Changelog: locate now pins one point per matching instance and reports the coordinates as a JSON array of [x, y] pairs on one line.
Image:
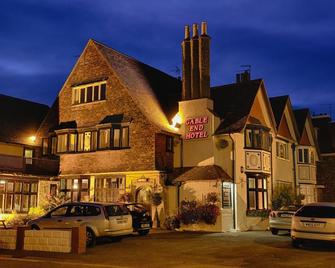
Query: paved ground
[[184, 249]]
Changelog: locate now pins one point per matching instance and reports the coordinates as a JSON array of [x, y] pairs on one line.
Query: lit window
[[104, 138], [116, 137], [89, 93], [72, 142], [258, 139], [306, 156], [62, 143], [80, 142], [257, 193], [125, 137], [45, 146], [87, 141]]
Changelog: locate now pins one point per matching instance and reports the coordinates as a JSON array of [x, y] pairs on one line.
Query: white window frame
[[77, 89]]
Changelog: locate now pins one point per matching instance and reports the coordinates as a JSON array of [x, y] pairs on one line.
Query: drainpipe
[[233, 177], [294, 170]]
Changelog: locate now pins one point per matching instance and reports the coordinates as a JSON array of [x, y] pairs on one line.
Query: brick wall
[[140, 156], [48, 240], [164, 159], [8, 239]]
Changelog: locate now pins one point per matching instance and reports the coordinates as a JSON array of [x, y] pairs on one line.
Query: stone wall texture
[[141, 154]]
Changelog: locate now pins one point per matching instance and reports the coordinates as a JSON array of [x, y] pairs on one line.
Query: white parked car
[[100, 219], [281, 219], [315, 221]]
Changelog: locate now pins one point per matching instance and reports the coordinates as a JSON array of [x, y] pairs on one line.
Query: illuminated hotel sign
[[195, 128]]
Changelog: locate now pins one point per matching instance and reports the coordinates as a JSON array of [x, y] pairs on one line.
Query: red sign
[[195, 128]]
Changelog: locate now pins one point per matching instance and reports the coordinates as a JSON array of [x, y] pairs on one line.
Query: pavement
[[188, 249]]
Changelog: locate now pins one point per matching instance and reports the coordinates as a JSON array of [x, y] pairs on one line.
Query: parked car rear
[[315, 221], [281, 219], [100, 219], [142, 221]]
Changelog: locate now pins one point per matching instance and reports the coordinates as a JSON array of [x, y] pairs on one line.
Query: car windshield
[[316, 212], [136, 207]]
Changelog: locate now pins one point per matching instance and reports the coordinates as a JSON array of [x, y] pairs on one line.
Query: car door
[[55, 219], [119, 218]]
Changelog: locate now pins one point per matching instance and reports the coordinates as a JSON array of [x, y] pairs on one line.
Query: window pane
[[125, 137], [53, 145], [2, 186], [252, 183], [76, 96], [102, 91], [84, 184], [116, 138], [18, 187], [82, 95], [89, 94], [301, 159], [80, 142], [306, 156], [94, 141], [265, 200], [28, 155], [104, 138], [33, 188], [45, 146], [72, 142], [248, 138], [260, 200], [9, 203], [96, 93], [17, 202], [62, 143], [2, 200], [252, 200], [10, 187], [260, 183], [87, 141]]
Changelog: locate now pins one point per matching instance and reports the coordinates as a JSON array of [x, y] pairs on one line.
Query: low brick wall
[[48, 240], [23, 239], [8, 239]]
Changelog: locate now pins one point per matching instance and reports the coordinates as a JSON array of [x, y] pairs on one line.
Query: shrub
[[212, 198], [283, 196], [172, 223], [53, 201], [209, 213], [189, 213]]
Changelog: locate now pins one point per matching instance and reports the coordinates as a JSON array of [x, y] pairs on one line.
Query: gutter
[[233, 177]]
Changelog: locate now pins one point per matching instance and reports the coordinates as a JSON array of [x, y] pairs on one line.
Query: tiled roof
[[278, 106], [233, 103], [19, 119], [156, 93], [300, 117], [211, 172]]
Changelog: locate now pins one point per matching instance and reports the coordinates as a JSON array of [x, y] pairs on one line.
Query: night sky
[[289, 43]]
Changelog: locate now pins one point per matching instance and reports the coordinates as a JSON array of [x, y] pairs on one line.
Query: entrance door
[[143, 196]]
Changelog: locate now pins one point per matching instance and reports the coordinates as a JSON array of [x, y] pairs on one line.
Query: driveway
[[186, 249]]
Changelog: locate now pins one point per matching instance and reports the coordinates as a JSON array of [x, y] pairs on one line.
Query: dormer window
[[89, 93]]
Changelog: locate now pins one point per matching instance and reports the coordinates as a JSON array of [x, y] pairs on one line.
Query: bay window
[[258, 138], [306, 156], [257, 193]]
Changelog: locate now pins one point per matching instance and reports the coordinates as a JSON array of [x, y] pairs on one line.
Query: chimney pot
[[187, 32], [203, 28], [195, 30]]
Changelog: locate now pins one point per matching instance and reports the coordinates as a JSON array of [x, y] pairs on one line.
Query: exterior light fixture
[[32, 138], [176, 121]]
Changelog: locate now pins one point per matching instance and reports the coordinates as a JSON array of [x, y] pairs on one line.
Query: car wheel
[[296, 243], [90, 238], [274, 231], [143, 232], [35, 227]]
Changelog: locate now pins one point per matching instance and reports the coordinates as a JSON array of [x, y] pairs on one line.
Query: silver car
[[281, 219], [315, 221], [100, 219]]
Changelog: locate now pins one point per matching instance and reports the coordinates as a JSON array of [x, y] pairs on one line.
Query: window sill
[[98, 150], [78, 105], [258, 149], [263, 213]]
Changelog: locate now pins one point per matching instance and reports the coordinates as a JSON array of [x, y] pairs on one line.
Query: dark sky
[[289, 43]]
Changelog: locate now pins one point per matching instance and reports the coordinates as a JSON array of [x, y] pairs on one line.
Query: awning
[[198, 173]]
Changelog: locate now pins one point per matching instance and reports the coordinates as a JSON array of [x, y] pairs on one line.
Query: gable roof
[[19, 119], [301, 117], [278, 107], [233, 104], [156, 92]]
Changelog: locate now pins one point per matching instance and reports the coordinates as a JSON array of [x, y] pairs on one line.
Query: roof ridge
[[24, 100], [132, 58], [252, 80]]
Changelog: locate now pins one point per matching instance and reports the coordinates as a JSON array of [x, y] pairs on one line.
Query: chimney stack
[[196, 64], [204, 64], [195, 76], [186, 68]]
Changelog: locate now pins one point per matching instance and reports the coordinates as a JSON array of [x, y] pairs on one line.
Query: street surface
[[185, 249]]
